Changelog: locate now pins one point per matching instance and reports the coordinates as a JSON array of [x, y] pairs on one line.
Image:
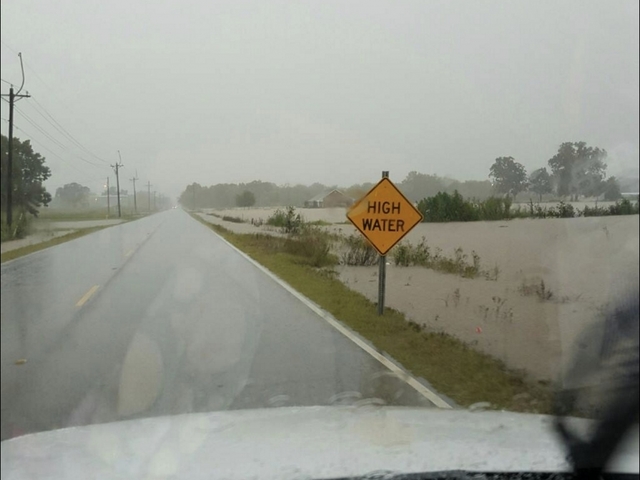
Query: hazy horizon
[[331, 92]]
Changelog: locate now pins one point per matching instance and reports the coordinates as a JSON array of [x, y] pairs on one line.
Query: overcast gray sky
[[330, 92]]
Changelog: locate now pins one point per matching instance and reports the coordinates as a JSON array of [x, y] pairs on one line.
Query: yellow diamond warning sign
[[384, 216]]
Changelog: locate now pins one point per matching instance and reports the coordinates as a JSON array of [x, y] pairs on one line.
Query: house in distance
[[330, 199]]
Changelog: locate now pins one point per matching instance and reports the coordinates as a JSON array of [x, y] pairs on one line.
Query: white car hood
[[306, 442]]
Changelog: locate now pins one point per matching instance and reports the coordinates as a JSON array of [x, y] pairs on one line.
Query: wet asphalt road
[[160, 317]]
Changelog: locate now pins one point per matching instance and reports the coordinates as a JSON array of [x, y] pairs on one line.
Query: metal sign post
[[382, 272], [384, 216]]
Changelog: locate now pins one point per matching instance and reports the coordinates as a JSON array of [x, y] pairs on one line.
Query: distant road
[[159, 317]]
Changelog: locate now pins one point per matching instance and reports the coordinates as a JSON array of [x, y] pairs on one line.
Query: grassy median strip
[[20, 252], [452, 367]]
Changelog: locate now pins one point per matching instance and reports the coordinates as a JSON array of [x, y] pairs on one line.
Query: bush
[[19, 228], [312, 245], [405, 255], [624, 207], [402, 255], [444, 207], [494, 209], [563, 210], [287, 220], [458, 264], [538, 212], [358, 252]]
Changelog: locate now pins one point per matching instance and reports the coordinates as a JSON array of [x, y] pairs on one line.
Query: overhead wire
[[59, 126], [65, 131], [53, 122], [57, 142], [5, 44], [86, 176], [39, 128], [31, 137], [29, 67]]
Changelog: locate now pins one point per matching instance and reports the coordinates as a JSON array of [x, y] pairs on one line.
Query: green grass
[[452, 367], [20, 252]]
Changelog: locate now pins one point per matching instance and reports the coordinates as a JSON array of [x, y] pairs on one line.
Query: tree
[[540, 182], [477, 189], [29, 173], [192, 196], [357, 190], [579, 169], [73, 194], [509, 177], [611, 189], [417, 186], [245, 199]]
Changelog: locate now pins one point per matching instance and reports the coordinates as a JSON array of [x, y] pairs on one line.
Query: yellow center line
[[128, 253], [87, 296]]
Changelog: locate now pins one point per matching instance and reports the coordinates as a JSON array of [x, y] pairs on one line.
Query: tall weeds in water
[[421, 255], [357, 251], [539, 290]]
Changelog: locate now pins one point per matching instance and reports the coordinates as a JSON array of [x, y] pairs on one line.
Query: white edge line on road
[[426, 392]]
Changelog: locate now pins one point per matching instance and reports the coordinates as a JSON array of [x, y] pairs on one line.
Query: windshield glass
[[223, 206]]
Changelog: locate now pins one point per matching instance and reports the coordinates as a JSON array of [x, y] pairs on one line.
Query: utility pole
[[135, 202], [155, 207], [116, 167], [108, 199], [9, 173], [149, 195]]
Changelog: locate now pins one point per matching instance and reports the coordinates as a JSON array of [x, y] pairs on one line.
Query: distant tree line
[[266, 194], [577, 170]]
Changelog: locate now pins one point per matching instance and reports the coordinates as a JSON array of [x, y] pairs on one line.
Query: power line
[[58, 128], [71, 137], [8, 83], [64, 131], [57, 142], [29, 67], [87, 176], [39, 128], [5, 44]]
